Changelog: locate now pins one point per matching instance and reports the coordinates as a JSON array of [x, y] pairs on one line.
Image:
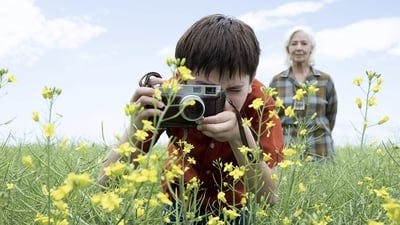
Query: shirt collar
[[313, 71]]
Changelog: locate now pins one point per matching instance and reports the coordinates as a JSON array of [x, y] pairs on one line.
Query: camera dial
[[192, 112]]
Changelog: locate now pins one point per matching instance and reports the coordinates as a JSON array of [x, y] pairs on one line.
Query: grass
[[340, 191]]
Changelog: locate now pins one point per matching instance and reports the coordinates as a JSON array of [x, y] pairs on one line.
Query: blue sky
[[96, 50]]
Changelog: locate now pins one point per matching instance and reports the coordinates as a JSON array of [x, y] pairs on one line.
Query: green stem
[[48, 144], [365, 117]]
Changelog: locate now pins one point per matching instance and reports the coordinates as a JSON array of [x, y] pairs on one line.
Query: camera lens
[[192, 111]]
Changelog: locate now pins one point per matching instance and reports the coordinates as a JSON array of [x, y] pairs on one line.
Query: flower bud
[[383, 120]]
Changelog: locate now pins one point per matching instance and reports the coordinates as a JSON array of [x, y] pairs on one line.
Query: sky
[[96, 51]]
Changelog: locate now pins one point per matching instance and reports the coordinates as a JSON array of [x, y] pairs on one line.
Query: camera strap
[[145, 80], [243, 138]]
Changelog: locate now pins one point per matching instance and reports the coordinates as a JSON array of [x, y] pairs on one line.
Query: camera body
[[206, 100]]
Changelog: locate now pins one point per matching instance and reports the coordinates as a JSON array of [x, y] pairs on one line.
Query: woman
[[315, 111]]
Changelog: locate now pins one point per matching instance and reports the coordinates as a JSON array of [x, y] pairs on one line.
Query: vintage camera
[[208, 100]]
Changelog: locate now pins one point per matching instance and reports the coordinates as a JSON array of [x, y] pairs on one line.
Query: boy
[[224, 51]]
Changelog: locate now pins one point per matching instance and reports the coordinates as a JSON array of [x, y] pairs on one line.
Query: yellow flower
[[61, 192], [244, 149], [64, 143], [373, 222], [231, 213], [81, 147], [228, 167], [48, 93], [214, 221], [358, 81], [35, 116], [149, 175], [62, 207], [261, 213], [148, 126], [11, 78], [303, 132], [256, 104], [383, 120], [273, 113], [266, 156], [383, 193], [269, 92], [289, 111], [187, 148], [62, 222], [237, 173], [171, 86], [221, 196], [185, 73], [247, 122], [372, 101], [125, 149], [302, 188], [289, 152], [131, 109], [193, 183], [359, 102], [376, 88], [379, 152], [191, 160], [10, 186], [141, 135], [109, 201], [278, 102], [48, 130], [115, 169], [139, 212], [285, 164], [27, 161], [286, 221], [164, 198], [392, 211], [166, 219], [78, 180], [312, 89], [299, 94], [157, 94], [298, 212], [42, 219]]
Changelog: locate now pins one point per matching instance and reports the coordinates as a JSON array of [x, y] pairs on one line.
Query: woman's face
[[300, 48], [235, 88]]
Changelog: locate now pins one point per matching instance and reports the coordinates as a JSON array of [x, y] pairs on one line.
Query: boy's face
[[236, 88]]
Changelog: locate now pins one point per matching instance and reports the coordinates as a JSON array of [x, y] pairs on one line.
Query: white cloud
[[26, 32], [267, 19], [373, 35], [270, 65], [167, 51]]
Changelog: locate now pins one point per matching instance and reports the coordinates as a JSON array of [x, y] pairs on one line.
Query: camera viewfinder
[[210, 91]]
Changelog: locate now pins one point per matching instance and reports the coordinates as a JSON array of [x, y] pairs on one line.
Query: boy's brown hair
[[219, 42]]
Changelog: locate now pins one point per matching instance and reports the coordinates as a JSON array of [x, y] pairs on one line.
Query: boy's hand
[[144, 96], [222, 127]]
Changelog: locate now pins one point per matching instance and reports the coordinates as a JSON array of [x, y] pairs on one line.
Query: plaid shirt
[[323, 103]]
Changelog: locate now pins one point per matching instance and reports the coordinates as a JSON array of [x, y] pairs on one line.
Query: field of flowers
[[54, 181]]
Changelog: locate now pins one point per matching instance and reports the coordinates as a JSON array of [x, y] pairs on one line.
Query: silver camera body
[[208, 100]]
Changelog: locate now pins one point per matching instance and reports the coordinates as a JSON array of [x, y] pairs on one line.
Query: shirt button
[[212, 145]]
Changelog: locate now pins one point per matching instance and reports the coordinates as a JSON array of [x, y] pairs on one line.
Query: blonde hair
[[289, 37]]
